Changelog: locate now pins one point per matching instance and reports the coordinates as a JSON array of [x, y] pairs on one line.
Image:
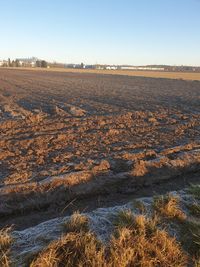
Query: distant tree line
[[41, 64], [18, 63], [13, 63]]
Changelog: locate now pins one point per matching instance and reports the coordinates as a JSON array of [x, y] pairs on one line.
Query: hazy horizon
[[102, 32]]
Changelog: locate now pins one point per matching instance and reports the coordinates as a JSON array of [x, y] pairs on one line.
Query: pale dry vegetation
[[143, 244], [190, 230], [139, 206], [168, 206], [77, 223], [136, 242], [190, 237], [5, 244]]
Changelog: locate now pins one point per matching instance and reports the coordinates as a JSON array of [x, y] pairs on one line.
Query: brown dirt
[[83, 136], [151, 74]]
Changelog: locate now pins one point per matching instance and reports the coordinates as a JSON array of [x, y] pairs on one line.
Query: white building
[[27, 62], [141, 68], [111, 67]]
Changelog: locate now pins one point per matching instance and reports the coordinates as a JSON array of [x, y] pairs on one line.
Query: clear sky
[[134, 32]]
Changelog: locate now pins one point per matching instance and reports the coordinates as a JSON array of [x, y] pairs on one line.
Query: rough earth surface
[[73, 141], [80, 141], [93, 143]]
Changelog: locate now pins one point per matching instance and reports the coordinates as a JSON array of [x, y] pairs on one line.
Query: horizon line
[[108, 64]]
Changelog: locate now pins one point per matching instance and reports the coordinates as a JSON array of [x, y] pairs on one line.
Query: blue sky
[[134, 32]]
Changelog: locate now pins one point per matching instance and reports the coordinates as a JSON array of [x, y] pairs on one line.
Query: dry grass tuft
[[139, 205], [140, 243], [190, 235], [136, 242], [77, 223], [197, 263], [140, 168], [137, 249], [74, 249], [140, 224], [124, 218], [168, 207], [5, 243]]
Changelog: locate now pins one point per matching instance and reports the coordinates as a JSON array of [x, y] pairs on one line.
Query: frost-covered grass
[[5, 243], [160, 231], [136, 241]]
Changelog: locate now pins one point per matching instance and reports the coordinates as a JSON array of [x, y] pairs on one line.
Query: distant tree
[[9, 62], [43, 64], [38, 63], [82, 65], [17, 63], [13, 64]]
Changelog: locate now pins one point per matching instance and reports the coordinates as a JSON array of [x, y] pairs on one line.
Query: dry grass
[[139, 169], [194, 207], [191, 228], [197, 263], [168, 207], [139, 205], [124, 218], [73, 249], [138, 248], [76, 223], [136, 242], [5, 242], [190, 236]]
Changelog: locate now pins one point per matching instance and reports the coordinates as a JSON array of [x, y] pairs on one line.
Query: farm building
[[141, 68]]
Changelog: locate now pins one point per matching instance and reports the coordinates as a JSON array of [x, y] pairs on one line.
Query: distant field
[[152, 74]]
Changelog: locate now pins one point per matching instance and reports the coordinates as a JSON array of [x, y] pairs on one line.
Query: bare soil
[[79, 141], [141, 73]]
